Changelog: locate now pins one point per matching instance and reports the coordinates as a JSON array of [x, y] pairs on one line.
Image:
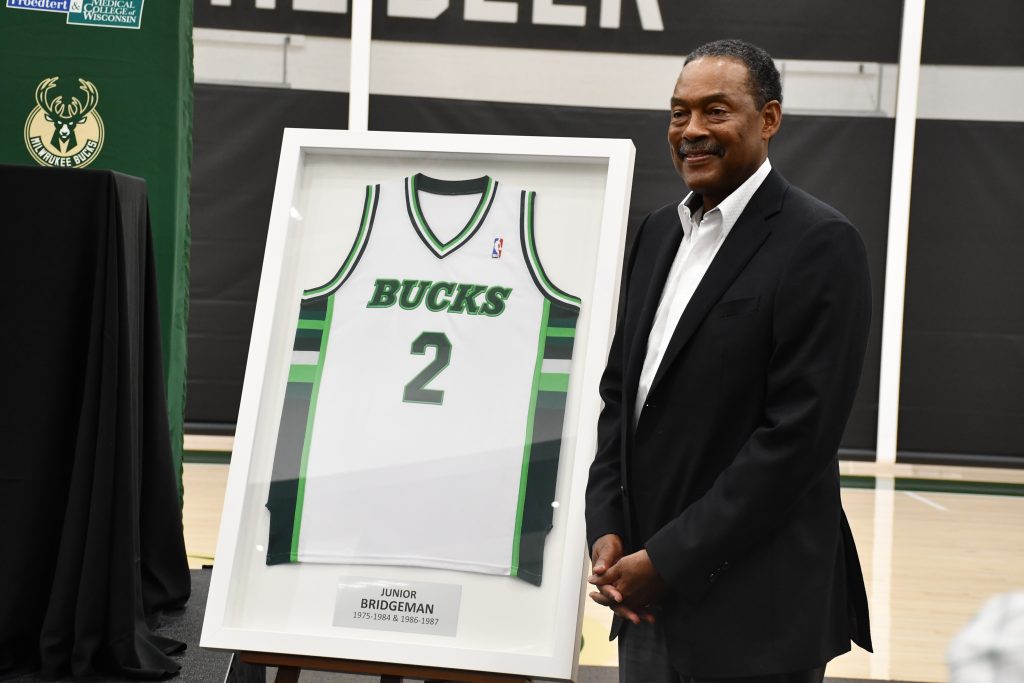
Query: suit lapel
[[666, 243], [745, 238]]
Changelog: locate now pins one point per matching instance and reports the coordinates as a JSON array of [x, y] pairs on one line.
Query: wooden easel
[[289, 666]]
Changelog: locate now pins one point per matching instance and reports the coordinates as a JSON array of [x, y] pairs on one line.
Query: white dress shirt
[[703, 235]]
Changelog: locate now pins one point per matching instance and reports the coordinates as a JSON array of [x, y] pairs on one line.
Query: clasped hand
[[629, 584]]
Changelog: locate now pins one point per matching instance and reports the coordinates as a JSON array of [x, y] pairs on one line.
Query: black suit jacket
[[730, 478]]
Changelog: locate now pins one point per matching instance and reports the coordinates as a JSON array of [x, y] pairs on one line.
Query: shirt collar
[[731, 207]]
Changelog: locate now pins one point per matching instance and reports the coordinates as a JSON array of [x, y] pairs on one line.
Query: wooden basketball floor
[[935, 543]]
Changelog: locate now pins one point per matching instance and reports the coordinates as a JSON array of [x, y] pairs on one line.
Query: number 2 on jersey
[[416, 390]]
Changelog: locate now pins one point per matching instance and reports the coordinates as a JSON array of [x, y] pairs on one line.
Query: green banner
[[108, 84]]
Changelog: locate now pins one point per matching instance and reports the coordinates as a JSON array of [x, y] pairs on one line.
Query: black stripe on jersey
[[556, 347], [540, 484], [308, 340], [451, 187], [313, 309], [362, 249], [562, 315], [284, 480]]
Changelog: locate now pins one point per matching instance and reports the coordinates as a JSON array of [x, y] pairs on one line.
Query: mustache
[[699, 147]]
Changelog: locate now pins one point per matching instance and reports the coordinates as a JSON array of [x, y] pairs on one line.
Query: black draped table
[[91, 545]]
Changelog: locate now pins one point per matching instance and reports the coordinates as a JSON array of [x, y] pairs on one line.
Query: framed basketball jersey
[[422, 421]]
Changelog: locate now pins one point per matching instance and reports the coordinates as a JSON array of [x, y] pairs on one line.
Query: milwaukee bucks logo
[[61, 132]]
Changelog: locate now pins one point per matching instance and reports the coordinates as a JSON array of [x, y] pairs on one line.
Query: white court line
[[926, 501], [881, 578]]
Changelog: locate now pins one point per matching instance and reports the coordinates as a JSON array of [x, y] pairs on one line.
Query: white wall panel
[[331, 6], [271, 59], [562, 78], [971, 93]]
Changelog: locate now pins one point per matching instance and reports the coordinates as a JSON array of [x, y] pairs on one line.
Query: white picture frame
[[504, 626]]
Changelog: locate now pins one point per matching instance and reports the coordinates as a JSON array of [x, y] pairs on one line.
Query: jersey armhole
[[355, 253], [527, 237]]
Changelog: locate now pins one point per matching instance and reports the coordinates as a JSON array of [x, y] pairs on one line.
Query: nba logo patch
[[496, 249]]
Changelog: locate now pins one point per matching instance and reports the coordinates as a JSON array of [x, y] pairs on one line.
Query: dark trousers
[[643, 658]]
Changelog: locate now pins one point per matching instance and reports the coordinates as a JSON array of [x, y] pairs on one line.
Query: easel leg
[[287, 674]]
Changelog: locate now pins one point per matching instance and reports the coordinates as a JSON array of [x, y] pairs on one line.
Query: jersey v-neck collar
[[485, 186]]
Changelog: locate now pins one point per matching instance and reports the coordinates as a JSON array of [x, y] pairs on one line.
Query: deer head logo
[[66, 129], [65, 117]]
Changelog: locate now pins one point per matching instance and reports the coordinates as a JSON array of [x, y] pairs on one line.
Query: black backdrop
[[236, 144], [962, 387], [982, 34]]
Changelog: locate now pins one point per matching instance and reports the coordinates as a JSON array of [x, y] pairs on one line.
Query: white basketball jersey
[[423, 415]]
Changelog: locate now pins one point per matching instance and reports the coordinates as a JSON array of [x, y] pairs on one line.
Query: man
[[713, 510]]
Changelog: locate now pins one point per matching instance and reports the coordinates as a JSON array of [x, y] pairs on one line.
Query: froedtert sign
[[102, 13]]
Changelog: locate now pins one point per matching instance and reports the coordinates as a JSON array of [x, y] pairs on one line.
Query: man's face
[[717, 135]]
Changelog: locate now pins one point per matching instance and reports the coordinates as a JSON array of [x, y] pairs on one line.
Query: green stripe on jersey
[[528, 445], [554, 382], [310, 420], [284, 478], [542, 451], [303, 373]]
